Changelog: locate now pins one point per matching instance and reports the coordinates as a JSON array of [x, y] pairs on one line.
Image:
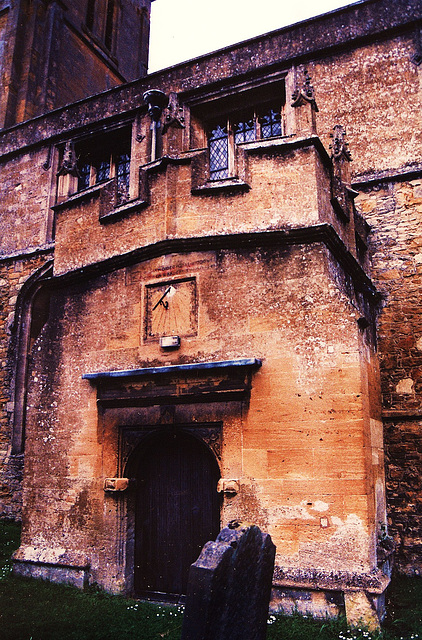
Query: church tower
[[55, 52]]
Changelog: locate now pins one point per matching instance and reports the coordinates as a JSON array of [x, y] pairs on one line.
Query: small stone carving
[[138, 124], [304, 93], [174, 113], [211, 437], [69, 163], [339, 146], [113, 485], [230, 586], [228, 487], [341, 193], [47, 164]]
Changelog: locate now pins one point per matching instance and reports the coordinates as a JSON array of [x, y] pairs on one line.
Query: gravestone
[[229, 586]]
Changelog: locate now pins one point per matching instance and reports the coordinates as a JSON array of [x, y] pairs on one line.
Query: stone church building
[[210, 290]]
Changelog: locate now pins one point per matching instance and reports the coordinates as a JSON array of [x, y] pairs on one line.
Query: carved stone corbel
[[173, 114], [339, 146], [304, 93], [139, 134], [114, 485], [47, 164], [228, 486]]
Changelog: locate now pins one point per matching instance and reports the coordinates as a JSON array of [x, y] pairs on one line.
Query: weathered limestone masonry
[[15, 273], [54, 52], [394, 210], [194, 339], [51, 53], [381, 86]]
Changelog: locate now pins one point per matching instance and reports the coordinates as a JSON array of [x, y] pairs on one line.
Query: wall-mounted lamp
[[156, 101]]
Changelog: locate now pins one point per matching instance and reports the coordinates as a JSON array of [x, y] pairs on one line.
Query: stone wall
[[55, 54], [364, 67], [25, 191], [394, 211], [14, 274], [404, 489], [305, 449]]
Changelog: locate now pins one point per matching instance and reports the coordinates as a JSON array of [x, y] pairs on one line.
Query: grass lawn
[[37, 610]]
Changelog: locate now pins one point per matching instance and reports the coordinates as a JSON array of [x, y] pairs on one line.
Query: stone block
[[361, 610]]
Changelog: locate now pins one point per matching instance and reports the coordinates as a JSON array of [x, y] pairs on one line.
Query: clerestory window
[[247, 126]]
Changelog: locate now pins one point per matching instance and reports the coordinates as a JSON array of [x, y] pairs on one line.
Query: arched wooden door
[[177, 510]]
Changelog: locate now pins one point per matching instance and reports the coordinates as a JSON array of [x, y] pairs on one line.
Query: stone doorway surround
[[201, 400]]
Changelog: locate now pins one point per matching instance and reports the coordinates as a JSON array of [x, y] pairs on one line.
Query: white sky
[[185, 29]]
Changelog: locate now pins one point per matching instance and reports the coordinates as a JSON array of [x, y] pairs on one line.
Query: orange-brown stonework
[[54, 53], [216, 316], [15, 273], [394, 211]]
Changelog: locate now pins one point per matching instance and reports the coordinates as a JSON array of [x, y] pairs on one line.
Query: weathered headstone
[[229, 586]]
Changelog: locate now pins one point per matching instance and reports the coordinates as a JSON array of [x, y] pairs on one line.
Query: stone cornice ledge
[[402, 414], [228, 185], [319, 233], [368, 180], [28, 253], [81, 196], [286, 144]]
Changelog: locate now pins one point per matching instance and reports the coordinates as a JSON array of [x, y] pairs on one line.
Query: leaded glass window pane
[[104, 156], [103, 170], [122, 173], [84, 174], [271, 124], [244, 131], [219, 153]]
